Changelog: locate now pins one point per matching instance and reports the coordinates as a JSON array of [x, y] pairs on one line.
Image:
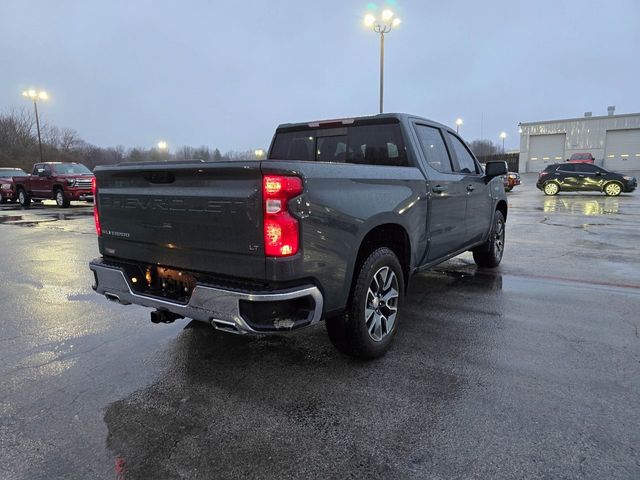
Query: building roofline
[[599, 117]]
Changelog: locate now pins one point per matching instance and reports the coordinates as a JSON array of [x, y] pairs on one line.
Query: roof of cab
[[402, 117]]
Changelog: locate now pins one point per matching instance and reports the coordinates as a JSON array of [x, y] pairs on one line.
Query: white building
[[613, 140]]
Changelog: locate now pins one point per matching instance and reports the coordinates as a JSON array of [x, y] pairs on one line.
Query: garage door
[[622, 150], [545, 150]]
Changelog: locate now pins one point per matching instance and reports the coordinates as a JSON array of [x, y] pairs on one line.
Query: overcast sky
[[224, 74]]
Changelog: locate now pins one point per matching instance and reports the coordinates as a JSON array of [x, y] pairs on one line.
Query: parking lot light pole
[[34, 95], [459, 123], [503, 135], [382, 27]]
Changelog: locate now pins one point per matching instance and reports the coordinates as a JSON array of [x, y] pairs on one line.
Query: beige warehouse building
[[613, 140]]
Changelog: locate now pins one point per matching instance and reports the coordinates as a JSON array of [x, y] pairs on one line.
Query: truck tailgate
[[194, 216]]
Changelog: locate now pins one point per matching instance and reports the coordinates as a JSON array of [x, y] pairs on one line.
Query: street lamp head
[[459, 122], [34, 95], [162, 145], [503, 135], [369, 20], [387, 15], [396, 22]]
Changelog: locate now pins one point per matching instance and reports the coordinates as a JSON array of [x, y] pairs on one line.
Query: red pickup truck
[[62, 182], [7, 191]]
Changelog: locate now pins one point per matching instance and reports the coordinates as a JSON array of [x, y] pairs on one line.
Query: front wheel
[[23, 199], [551, 188], [61, 201], [489, 254], [370, 323], [612, 189]]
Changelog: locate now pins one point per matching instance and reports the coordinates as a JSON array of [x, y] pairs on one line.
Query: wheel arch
[[391, 235], [502, 207]]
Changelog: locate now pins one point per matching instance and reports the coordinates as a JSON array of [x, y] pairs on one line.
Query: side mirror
[[495, 169]]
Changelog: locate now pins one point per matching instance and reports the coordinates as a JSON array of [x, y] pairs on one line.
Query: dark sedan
[[574, 177]]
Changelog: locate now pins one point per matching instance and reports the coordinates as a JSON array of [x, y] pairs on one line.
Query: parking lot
[[530, 370]]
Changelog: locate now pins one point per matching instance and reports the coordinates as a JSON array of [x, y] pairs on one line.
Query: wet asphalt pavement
[[528, 371]]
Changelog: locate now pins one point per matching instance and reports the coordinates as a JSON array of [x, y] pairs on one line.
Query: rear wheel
[[23, 199], [551, 188], [613, 189], [3, 200], [370, 323], [489, 254], [61, 201]]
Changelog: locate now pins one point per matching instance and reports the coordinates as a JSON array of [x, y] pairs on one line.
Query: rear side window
[[465, 160], [587, 167], [363, 144], [434, 148]]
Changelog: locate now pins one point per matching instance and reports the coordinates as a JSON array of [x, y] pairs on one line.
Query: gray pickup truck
[[332, 225]]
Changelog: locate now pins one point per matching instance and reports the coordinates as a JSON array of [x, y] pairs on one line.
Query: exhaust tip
[[112, 297]]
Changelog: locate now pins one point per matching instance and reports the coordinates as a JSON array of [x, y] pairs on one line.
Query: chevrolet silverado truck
[[331, 225], [7, 190], [62, 182]]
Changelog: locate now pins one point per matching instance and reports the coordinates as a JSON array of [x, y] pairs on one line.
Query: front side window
[[465, 160], [434, 148], [364, 144]]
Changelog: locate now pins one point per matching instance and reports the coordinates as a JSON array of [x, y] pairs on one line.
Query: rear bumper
[[225, 309]]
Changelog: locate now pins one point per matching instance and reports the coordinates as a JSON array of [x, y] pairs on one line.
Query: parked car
[[581, 158], [573, 177], [62, 182], [331, 225], [7, 190], [511, 179]]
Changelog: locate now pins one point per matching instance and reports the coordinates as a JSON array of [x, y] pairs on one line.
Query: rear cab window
[[369, 144], [434, 148]]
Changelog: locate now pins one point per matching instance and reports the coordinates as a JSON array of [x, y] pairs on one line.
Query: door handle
[[439, 188], [470, 188]]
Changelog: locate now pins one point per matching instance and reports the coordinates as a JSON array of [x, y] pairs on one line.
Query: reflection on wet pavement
[[582, 206]]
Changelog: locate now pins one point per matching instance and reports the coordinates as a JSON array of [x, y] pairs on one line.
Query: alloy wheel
[[613, 189], [381, 303], [551, 189], [59, 198], [498, 243]]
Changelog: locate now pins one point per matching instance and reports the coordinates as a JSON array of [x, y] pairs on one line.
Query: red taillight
[[281, 230], [96, 216]]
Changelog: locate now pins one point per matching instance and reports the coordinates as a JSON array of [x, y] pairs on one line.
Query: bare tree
[[482, 148]]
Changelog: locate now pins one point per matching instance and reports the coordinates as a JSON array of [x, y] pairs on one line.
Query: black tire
[[489, 254], [23, 198], [350, 333], [61, 201], [612, 189], [3, 200]]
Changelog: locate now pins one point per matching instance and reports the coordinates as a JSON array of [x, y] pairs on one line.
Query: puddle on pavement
[[34, 219]]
